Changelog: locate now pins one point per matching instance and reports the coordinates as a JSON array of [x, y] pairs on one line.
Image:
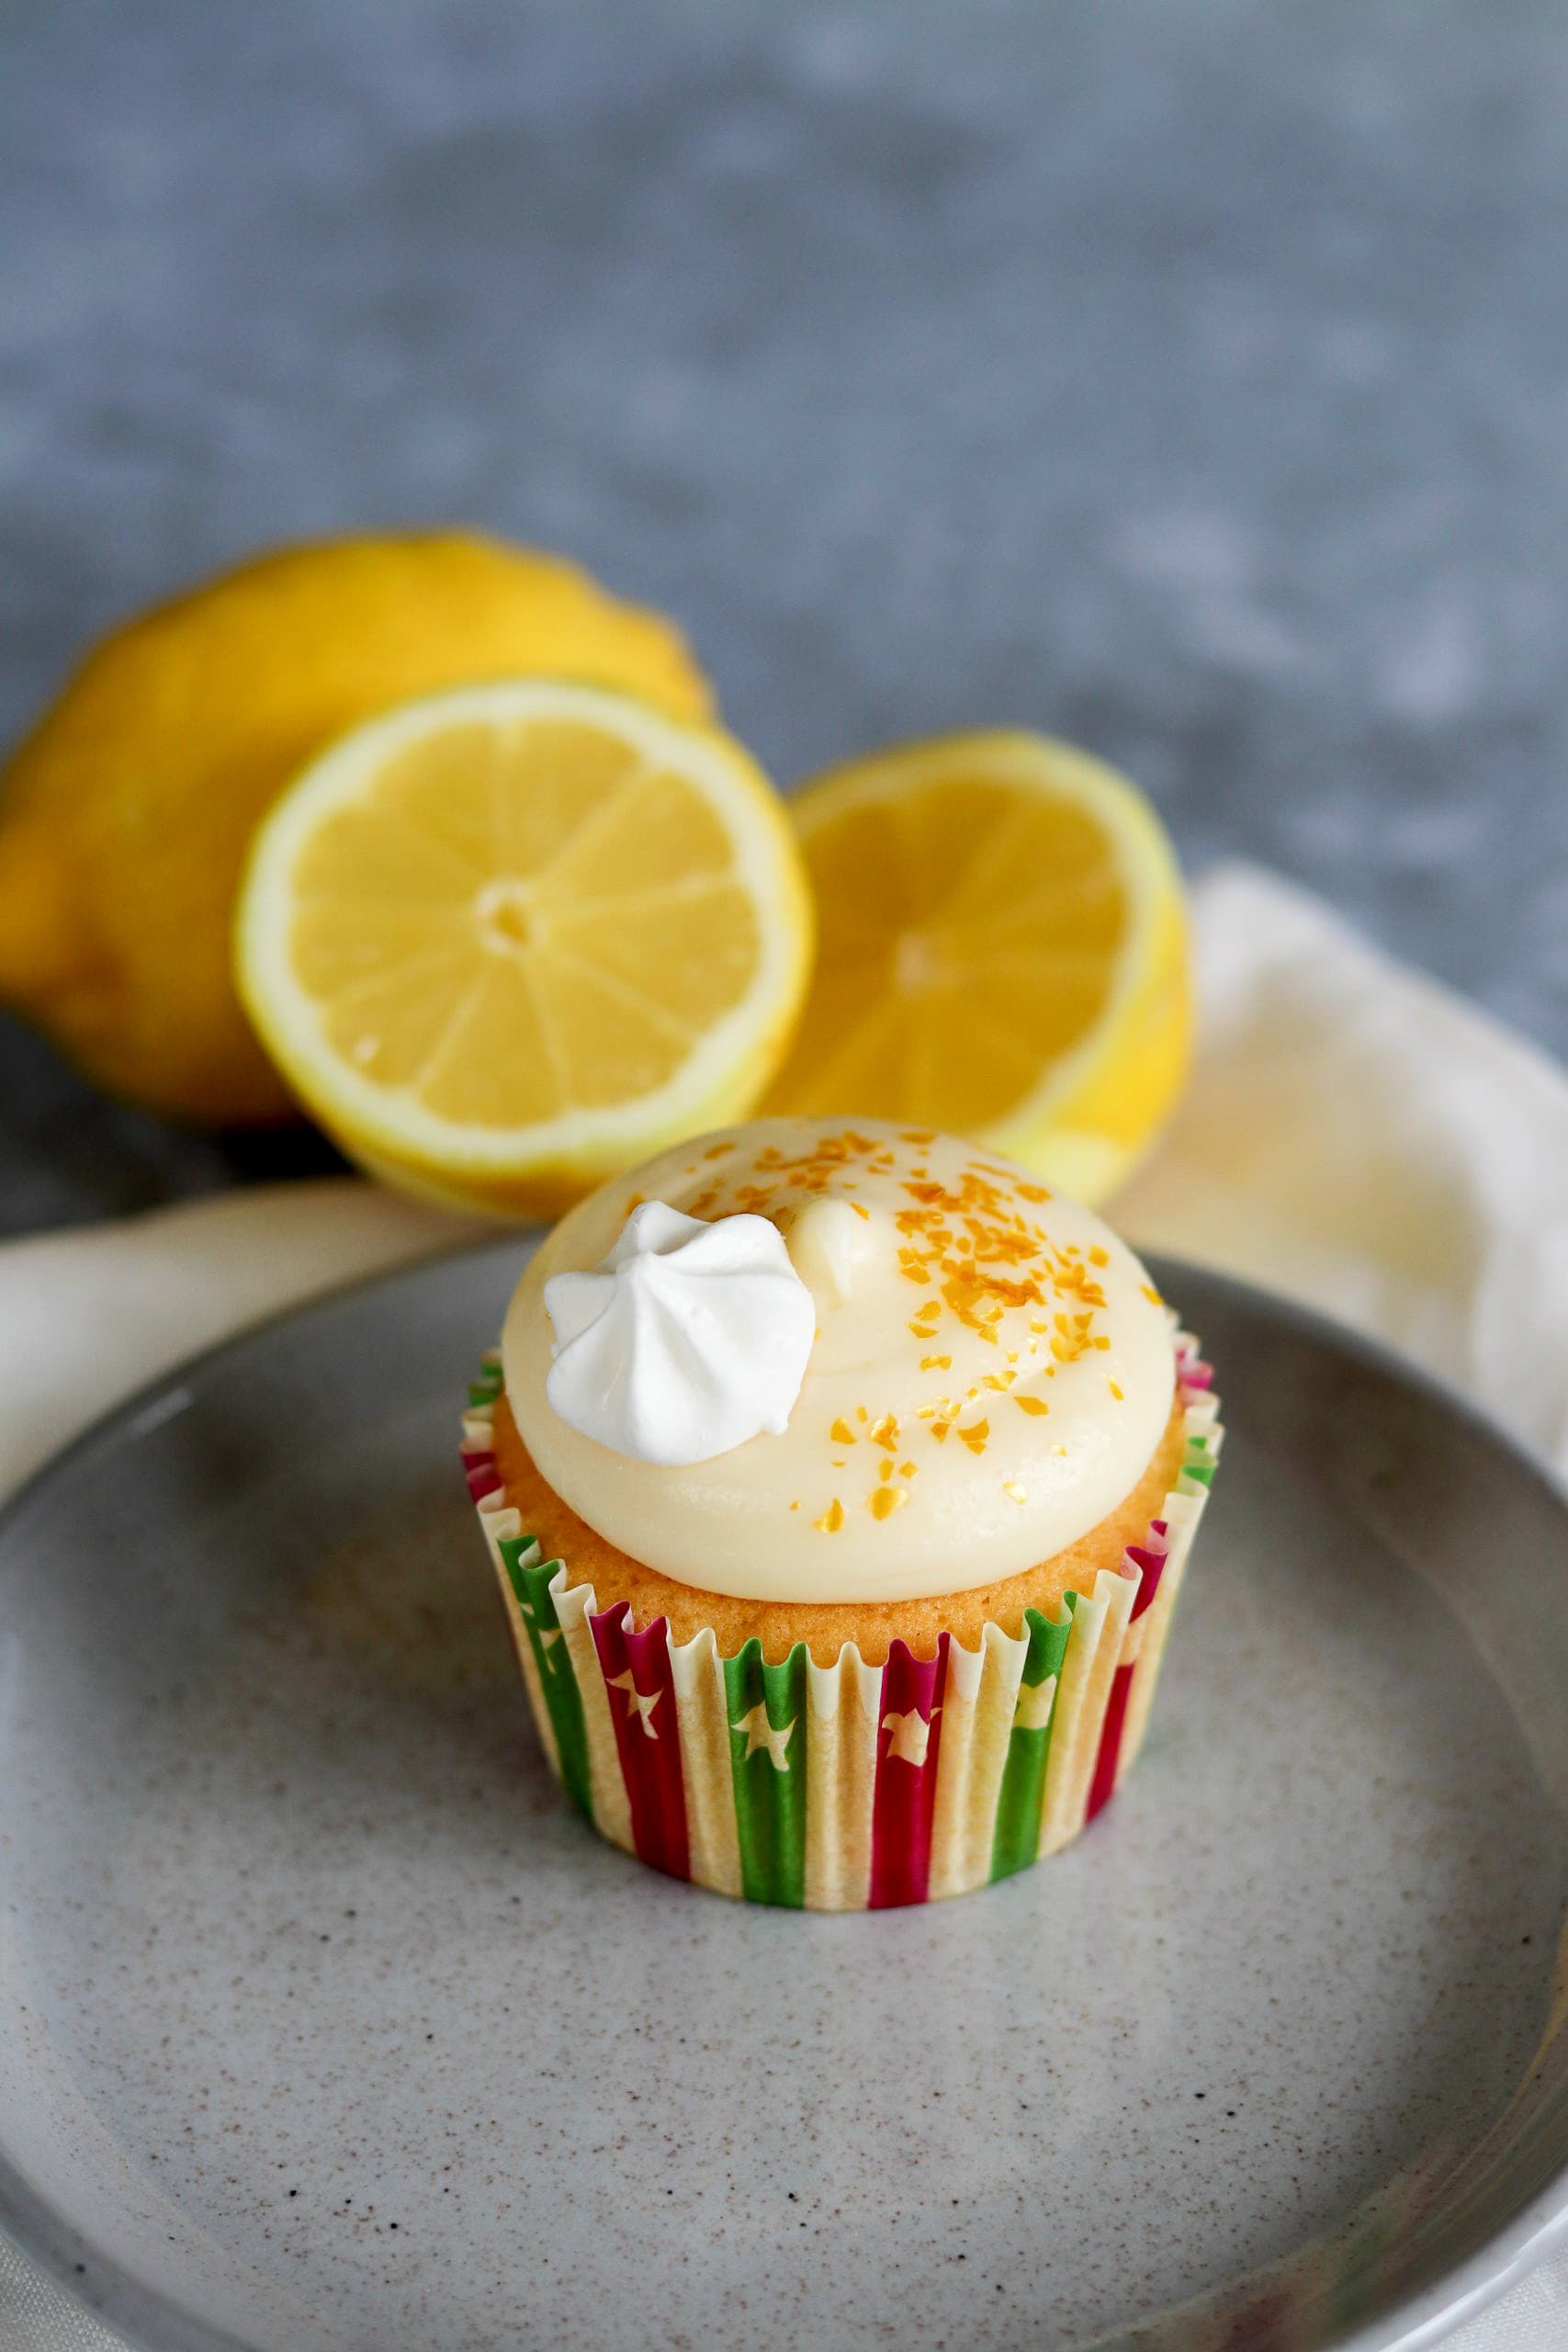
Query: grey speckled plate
[[327, 2025]]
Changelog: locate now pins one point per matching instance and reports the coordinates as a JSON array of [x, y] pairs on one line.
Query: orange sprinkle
[[1035, 1193], [1120, 1394], [831, 1520], [717, 1150], [795, 1506], [1098, 1257], [936, 1364], [1035, 1404], [841, 1433], [975, 1436], [885, 1471], [940, 1429], [886, 1433], [1019, 1494], [861, 1413], [1151, 1294], [908, 1470], [860, 1210], [886, 1500]]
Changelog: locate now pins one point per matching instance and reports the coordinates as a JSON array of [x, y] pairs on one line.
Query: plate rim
[[149, 2320]]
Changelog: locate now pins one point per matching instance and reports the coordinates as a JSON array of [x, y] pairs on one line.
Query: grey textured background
[[1189, 378]]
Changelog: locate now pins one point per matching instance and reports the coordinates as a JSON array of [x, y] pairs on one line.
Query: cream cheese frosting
[[990, 1372]]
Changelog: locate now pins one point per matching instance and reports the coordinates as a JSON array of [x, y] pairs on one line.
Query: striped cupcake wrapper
[[843, 1787]]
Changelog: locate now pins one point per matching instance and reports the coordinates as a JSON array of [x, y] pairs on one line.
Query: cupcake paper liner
[[844, 1787]]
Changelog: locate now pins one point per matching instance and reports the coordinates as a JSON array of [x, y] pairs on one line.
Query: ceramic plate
[[327, 2024]]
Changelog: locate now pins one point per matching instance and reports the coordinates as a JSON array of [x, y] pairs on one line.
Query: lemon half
[[1002, 953], [508, 940]]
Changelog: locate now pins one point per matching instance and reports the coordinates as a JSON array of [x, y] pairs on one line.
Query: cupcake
[[840, 1478]]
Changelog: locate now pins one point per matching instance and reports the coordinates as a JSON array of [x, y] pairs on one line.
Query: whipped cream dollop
[[689, 1338], [991, 1373]]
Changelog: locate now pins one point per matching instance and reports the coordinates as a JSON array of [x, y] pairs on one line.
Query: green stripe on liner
[[766, 1707], [485, 1389], [529, 1577], [1016, 1839]]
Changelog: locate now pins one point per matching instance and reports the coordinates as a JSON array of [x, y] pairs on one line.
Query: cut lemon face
[[508, 940], [1002, 953]]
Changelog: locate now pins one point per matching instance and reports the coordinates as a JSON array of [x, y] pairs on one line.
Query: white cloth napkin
[[1354, 1136]]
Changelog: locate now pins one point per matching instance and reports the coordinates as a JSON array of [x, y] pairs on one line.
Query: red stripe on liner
[[1149, 1560], [483, 1479], [647, 1735], [909, 1736], [1104, 1780]]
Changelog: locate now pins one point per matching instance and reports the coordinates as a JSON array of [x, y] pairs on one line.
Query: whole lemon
[[126, 814]]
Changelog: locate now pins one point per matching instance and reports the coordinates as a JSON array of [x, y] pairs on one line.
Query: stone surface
[[1191, 379]]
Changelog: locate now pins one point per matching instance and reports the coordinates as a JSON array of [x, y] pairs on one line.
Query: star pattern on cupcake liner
[[644, 1703], [760, 1735]]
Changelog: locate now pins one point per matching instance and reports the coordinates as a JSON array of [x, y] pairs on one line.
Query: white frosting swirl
[[992, 1375], [686, 1340]]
